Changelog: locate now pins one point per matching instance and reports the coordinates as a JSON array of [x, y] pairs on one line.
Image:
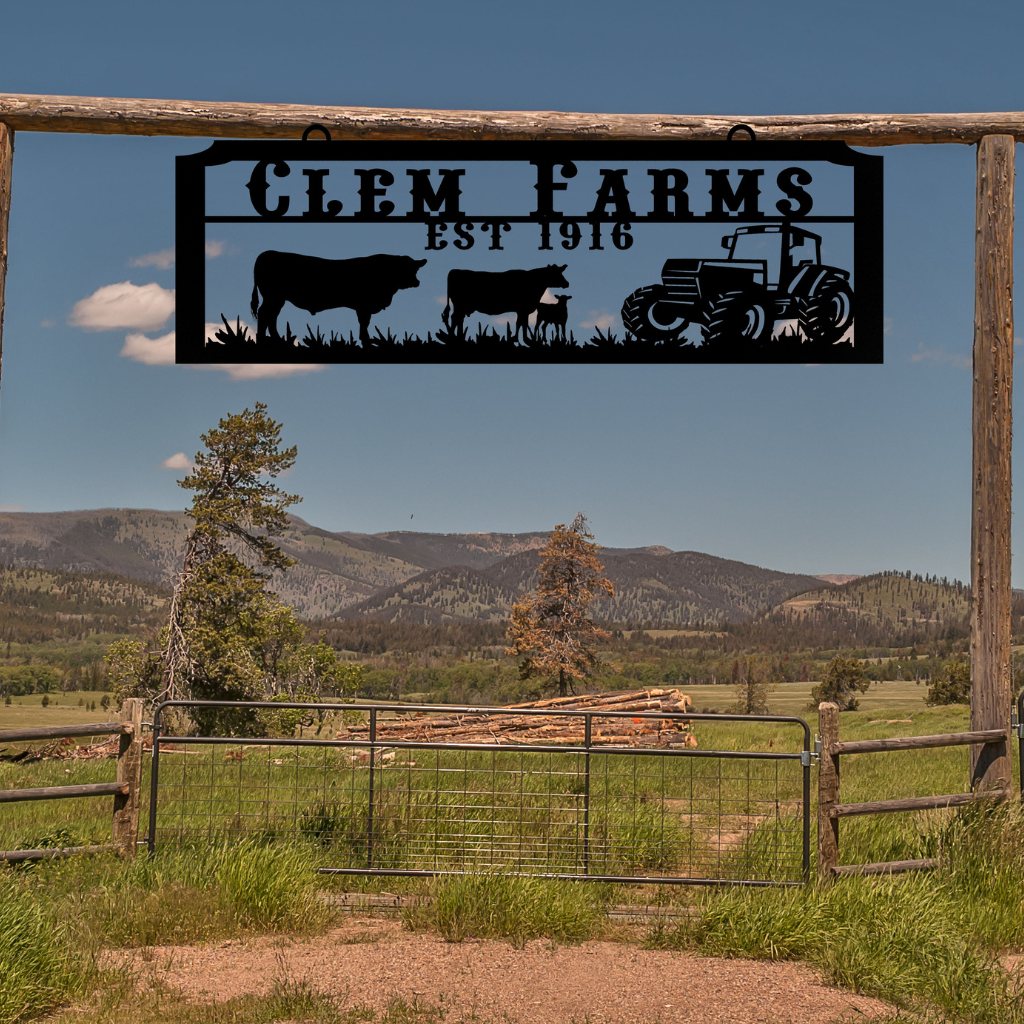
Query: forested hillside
[[44, 605], [883, 607], [404, 576]]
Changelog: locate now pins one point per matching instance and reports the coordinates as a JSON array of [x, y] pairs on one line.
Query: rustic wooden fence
[[126, 789], [830, 810]]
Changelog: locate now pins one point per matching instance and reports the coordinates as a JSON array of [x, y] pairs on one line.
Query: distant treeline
[[40, 605]]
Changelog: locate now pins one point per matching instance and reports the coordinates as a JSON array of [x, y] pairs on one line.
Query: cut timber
[[917, 803], [10, 796], [948, 739], [887, 867], [59, 731], [612, 723], [98, 115]]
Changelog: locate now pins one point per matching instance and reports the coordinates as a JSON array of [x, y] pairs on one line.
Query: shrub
[[953, 687], [843, 679]]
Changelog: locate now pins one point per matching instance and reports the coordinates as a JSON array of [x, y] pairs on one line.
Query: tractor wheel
[[828, 313], [739, 317], [647, 316]]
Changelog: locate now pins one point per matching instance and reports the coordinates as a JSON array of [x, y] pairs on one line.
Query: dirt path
[[368, 961]]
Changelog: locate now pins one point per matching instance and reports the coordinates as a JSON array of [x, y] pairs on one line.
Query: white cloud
[[47, 323], [179, 460], [602, 321], [145, 307], [12, 508], [151, 351], [160, 352], [940, 356], [164, 260]]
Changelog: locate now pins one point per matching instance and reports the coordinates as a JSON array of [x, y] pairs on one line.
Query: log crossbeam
[[102, 115]]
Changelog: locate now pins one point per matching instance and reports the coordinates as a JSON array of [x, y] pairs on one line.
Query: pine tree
[[229, 637], [551, 630]]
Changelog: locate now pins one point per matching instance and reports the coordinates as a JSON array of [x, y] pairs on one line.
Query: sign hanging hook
[[321, 128], [732, 131]]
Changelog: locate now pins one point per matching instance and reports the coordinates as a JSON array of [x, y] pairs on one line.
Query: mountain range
[[404, 576]]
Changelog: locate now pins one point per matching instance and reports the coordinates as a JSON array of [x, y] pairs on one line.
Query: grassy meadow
[[929, 943]]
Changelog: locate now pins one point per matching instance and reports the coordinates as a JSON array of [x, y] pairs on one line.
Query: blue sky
[[815, 469]]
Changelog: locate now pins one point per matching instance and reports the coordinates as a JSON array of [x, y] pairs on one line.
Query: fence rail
[[830, 810], [409, 806], [56, 732], [126, 790]]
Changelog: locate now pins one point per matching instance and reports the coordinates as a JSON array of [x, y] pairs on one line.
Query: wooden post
[[992, 430], [6, 169], [129, 769], [828, 792]]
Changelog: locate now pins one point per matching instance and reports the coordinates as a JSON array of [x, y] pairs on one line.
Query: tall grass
[[39, 968], [197, 895], [494, 906], [55, 917], [925, 942]]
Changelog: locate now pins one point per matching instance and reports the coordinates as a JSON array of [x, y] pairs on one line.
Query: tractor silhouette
[[773, 271]]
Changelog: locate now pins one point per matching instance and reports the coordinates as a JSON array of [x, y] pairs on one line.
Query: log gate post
[[129, 769], [6, 168], [991, 484], [828, 792]]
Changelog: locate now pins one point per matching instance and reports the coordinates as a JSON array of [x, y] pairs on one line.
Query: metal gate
[[597, 810]]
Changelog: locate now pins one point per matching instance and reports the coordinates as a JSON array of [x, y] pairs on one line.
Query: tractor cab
[[782, 247]]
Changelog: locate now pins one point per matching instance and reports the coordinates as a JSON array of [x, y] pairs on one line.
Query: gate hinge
[[805, 758], [1016, 728]]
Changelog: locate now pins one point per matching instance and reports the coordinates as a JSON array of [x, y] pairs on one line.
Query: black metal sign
[[743, 251]]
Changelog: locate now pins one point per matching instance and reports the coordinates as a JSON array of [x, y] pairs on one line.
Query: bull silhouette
[[494, 292], [366, 284]]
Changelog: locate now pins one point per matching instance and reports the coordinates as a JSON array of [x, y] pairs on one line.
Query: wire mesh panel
[[593, 809]]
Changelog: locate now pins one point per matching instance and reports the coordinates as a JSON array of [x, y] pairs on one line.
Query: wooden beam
[[887, 867], [828, 791], [6, 170], [916, 803], [11, 796], [947, 739], [51, 732], [992, 431], [16, 856], [119, 116]]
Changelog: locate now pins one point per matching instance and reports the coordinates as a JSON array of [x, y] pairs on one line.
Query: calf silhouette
[[366, 284], [507, 291], [555, 313]]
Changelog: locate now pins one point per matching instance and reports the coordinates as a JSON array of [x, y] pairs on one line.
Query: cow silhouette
[[494, 292], [555, 313], [366, 284]]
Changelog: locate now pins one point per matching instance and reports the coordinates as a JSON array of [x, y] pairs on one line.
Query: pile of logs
[[561, 730]]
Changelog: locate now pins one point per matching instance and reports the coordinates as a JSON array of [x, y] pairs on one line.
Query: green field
[[456, 809]]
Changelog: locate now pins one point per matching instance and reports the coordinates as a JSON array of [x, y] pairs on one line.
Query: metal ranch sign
[[529, 252]]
